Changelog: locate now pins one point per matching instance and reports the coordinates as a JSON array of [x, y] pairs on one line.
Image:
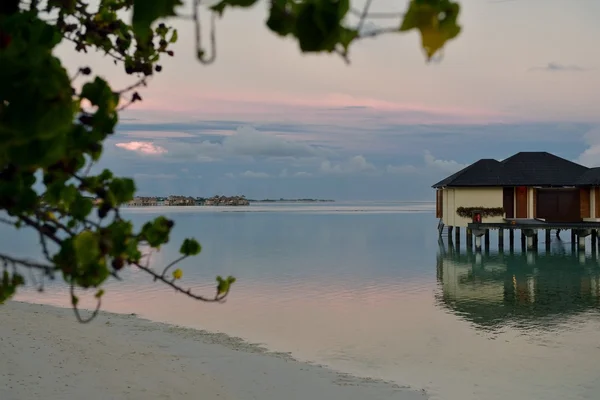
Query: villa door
[[521, 197], [508, 201], [558, 205]]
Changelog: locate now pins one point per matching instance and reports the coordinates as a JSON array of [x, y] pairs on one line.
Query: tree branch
[[219, 297], [46, 268]]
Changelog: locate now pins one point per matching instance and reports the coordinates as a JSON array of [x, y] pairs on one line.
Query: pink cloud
[[142, 147], [311, 109]]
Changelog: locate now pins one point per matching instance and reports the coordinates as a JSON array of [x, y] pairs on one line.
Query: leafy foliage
[[52, 130], [321, 25], [467, 212]]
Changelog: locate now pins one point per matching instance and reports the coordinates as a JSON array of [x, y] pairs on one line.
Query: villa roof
[[590, 178], [524, 169]]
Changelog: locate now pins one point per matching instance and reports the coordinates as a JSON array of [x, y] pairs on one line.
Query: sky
[[268, 122]]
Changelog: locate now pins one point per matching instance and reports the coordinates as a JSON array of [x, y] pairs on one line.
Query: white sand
[[46, 354]]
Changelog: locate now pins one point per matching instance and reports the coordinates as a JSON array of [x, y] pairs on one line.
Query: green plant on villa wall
[[467, 212], [52, 125]]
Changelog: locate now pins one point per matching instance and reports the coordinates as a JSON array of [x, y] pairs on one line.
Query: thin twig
[[7, 221], [376, 15], [88, 169], [140, 82], [44, 246], [171, 264], [200, 52], [377, 32], [47, 269], [76, 310], [218, 297], [363, 15]]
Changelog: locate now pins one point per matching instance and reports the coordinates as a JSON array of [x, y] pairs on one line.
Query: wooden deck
[[534, 224]]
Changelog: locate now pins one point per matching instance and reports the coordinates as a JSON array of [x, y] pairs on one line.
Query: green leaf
[[223, 285], [223, 4], [318, 27], [436, 21], [81, 207], [145, 12], [190, 247], [347, 36], [173, 36], [87, 249], [157, 231], [122, 189], [96, 92], [280, 20]]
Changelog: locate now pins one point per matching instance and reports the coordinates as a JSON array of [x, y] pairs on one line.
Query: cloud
[[142, 147], [301, 174], [591, 156], [285, 174], [254, 175], [247, 141], [356, 164], [401, 169], [156, 134], [450, 166], [556, 67], [229, 175], [155, 176], [244, 142]]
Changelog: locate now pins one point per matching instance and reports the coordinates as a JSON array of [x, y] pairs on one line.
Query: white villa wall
[[470, 197], [593, 200]]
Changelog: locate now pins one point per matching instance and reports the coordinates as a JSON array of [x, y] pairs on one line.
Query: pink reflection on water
[[387, 330]]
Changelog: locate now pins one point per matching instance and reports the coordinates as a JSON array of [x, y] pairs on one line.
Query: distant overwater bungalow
[[529, 191]]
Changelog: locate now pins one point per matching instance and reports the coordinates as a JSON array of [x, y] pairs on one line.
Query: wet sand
[[47, 354]]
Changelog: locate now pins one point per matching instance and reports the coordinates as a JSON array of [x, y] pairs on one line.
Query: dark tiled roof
[[591, 177], [523, 169], [486, 172]]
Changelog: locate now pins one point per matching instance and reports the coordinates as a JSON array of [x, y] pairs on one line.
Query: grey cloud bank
[[333, 160]]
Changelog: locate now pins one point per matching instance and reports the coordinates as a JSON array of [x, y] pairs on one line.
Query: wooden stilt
[[477, 243], [487, 240], [469, 239]]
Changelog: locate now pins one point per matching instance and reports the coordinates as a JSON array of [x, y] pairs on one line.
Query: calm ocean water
[[367, 288]]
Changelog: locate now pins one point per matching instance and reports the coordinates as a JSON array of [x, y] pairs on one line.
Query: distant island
[[282, 200], [156, 201]]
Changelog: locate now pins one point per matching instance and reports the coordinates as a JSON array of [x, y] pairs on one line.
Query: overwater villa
[[528, 191]]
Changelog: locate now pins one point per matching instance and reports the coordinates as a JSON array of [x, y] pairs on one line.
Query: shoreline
[[47, 351]]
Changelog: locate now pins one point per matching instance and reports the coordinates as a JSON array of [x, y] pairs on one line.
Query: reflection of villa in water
[[523, 289]]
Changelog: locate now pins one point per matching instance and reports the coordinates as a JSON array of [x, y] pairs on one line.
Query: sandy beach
[[46, 354]]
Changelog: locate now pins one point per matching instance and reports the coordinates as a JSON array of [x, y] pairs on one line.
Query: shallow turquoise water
[[367, 288]]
